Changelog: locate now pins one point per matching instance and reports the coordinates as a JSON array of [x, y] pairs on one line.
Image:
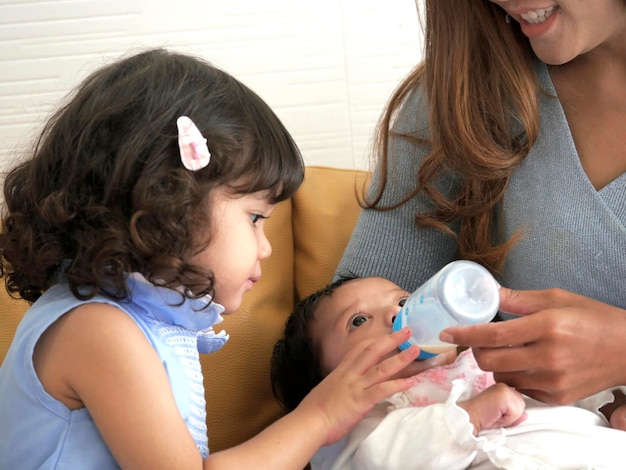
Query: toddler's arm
[[497, 406], [330, 410], [96, 356]]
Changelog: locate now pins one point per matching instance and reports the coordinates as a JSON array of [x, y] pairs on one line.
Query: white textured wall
[[326, 66]]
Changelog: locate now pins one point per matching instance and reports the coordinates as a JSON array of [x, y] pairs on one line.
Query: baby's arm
[[438, 436], [497, 406]]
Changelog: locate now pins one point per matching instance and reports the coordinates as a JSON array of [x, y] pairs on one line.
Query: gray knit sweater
[[575, 236]]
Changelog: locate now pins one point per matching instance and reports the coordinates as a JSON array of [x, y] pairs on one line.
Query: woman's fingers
[[492, 335], [523, 330], [526, 302]]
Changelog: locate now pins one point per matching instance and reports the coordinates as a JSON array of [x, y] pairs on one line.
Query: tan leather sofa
[[308, 234]]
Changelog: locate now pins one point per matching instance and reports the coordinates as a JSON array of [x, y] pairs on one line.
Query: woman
[[507, 146]]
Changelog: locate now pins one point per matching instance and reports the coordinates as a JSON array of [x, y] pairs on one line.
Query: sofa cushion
[[325, 210], [11, 312]]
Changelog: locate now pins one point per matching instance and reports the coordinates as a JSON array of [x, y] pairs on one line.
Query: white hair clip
[[194, 152]]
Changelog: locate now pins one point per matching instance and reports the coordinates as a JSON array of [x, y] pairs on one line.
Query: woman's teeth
[[538, 16]]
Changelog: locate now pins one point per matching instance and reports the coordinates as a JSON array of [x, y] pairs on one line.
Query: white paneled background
[[327, 66]]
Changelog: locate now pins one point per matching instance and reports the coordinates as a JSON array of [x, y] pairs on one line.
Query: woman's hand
[[564, 347]]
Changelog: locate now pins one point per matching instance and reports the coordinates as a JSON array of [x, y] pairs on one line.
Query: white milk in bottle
[[461, 293]]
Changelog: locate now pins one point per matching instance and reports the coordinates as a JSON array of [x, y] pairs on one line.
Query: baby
[[454, 417]]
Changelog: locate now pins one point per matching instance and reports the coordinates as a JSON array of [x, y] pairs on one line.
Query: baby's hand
[[364, 377], [497, 406], [615, 412], [618, 418]]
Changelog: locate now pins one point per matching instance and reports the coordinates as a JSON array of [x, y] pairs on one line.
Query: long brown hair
[[479, 79]]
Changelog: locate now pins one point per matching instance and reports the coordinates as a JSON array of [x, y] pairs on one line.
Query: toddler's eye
[[357, 321], [256, 217], [402, 302]]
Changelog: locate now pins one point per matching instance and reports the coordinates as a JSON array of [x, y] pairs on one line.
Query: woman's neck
[[592, 91]]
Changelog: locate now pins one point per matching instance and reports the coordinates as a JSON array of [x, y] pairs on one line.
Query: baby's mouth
[[538, 16]]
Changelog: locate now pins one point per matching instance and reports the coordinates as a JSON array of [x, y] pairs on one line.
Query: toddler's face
[[357, 310], [238, 244]]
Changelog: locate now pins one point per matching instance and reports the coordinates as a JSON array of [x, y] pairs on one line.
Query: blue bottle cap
[[399, 323]]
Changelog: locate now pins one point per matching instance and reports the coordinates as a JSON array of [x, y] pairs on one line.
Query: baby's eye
[[357, 321], [402, 302]]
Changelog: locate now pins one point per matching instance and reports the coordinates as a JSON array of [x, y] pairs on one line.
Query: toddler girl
[[137, 222]]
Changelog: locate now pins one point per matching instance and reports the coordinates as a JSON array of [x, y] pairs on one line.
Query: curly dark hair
[[105, 194], [296, 365]]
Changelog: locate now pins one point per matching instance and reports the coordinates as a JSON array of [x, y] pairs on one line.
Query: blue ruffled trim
[[195, 315]]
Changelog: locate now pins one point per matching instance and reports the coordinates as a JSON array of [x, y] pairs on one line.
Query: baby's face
[[357, 310]]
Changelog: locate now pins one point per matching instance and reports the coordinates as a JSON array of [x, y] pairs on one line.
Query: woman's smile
[[538, 16]]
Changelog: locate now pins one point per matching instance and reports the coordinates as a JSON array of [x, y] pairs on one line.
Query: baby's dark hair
[[105, 193], [296, 366]]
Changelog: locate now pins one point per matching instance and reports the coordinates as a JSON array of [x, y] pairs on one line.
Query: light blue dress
[[39, 432]]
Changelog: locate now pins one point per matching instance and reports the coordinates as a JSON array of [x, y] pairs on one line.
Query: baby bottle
[[461, 293]]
